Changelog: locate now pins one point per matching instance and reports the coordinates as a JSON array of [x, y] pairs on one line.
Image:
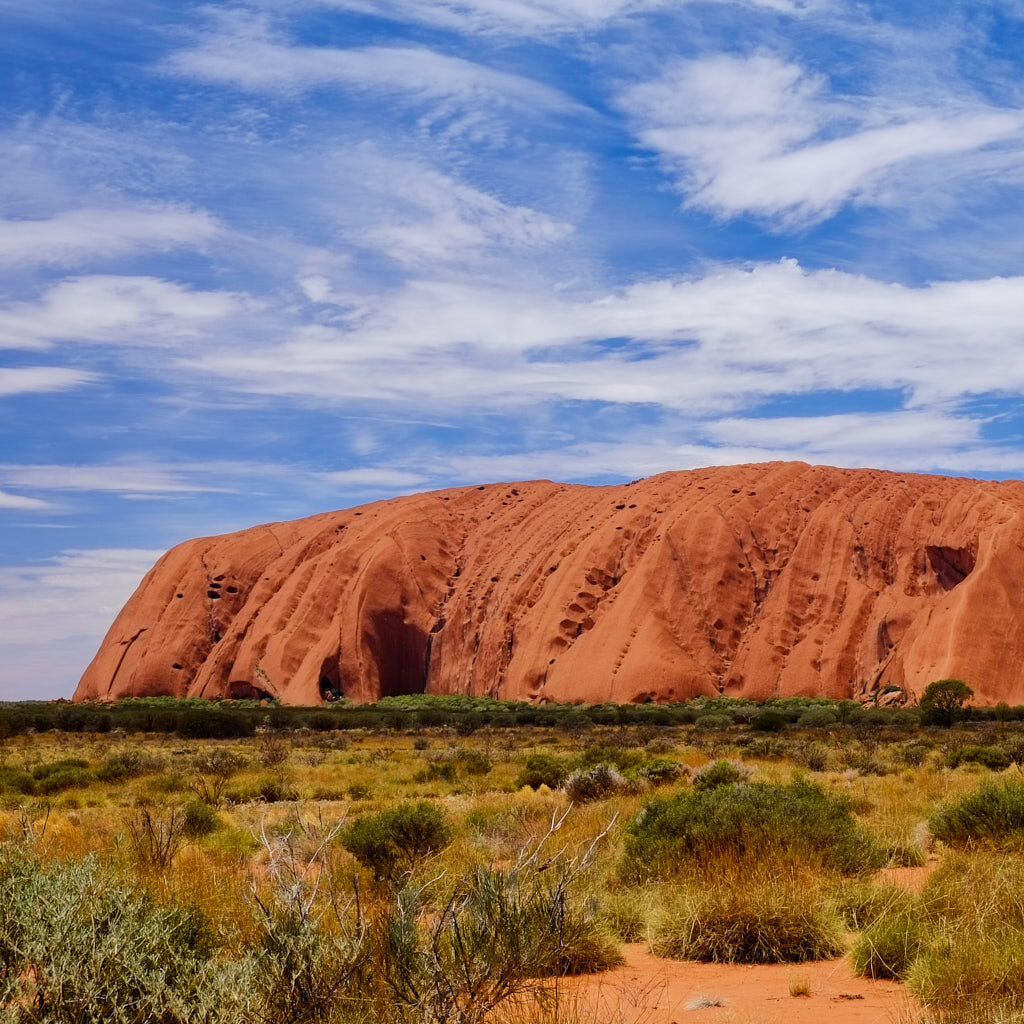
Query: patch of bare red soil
[[649, 990]]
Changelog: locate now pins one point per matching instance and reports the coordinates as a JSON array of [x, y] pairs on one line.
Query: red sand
[[648, 990]]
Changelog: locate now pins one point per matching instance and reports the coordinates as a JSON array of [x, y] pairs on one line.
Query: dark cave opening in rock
[[239, 689], [950, 565], [330, 680], [399, 649]]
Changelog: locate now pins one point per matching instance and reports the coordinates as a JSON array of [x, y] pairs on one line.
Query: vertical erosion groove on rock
[[779, 578]]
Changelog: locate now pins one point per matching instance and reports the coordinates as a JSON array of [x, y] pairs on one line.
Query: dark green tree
[[943, 701]]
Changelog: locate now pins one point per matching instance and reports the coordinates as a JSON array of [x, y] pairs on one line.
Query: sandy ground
[[648, 990]]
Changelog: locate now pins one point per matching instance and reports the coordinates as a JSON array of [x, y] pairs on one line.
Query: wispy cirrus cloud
[[79, 235], [533, 17], [36, 380], [243, 51], [116, 310], [758, 135]]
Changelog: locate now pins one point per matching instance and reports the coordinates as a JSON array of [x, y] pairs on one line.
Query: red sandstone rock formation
[[755, 581]]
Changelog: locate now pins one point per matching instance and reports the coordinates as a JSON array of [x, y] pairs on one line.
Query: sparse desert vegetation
[[461, 860]]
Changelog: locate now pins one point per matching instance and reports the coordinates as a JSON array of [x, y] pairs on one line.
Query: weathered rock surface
[[754, 581]]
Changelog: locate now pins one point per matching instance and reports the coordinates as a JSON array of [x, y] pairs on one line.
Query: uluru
[[774, 579]]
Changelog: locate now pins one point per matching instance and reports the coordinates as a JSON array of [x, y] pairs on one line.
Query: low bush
[[755, 919], [992, 814], [16, 780], [64, 778], [995, 758], [720, 773], [661, 771], [597, 783], [768, 721], [79, 946], [399, 838], [199, 819], [542, 770], [712, 723], [747, 821], [817, 718], [43, 771]]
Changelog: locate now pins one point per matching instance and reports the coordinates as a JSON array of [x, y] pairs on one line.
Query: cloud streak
[[761, 136]]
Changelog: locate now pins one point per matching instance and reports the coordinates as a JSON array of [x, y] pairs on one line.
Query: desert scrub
[[759, 918], [78, 947], [491, 939], [747, 821], [399, 838], [992, 815], [973, 958]]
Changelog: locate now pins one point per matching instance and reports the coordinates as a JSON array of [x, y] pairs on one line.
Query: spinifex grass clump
[[747, 821], [992, 815], [762, 918]]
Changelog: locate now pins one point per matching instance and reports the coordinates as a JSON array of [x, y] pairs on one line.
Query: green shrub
[[398, 838], [15, 780], [621, 759], [817, 718], [43, 771], [768, 721], [712, 723], [749, 921], [79, 946], [660, 771], [995, 758], [542, 770], [440, 770], [360, 791], [747, 821], [199, 819], [64, 778], [719, 773], [992, 814], [271, 790]]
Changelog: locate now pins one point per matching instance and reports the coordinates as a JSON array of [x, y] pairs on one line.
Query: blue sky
[[265, 259]]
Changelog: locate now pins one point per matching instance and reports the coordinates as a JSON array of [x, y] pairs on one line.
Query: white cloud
[[26, 380], [700, 346], [85, 234], [20, 503], [429, 216], [117, 310], [53, 616], [373, 478], [244, 53], [757, 135], [134, 479], [533, 17]]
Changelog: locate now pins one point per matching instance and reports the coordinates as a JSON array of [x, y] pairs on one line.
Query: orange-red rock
[[758, 580]]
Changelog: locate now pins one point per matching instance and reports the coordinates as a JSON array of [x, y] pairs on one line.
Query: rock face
[[755, 581]]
